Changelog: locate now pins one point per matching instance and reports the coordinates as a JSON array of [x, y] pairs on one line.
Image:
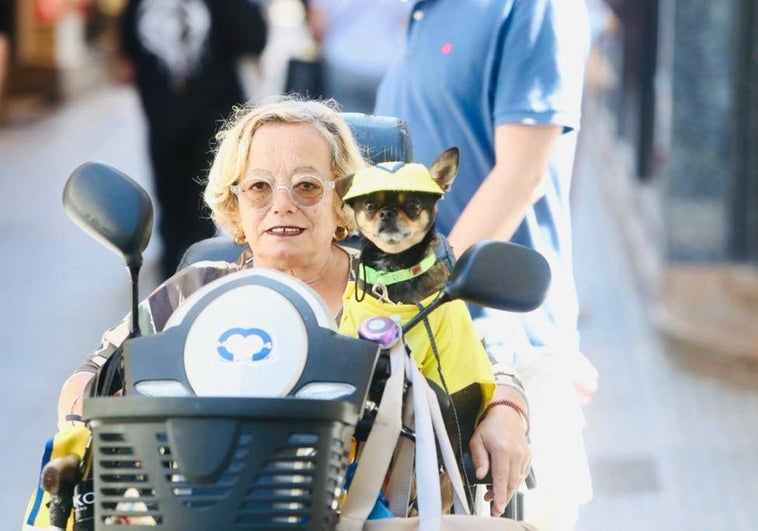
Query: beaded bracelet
[[511, 404], [511, 382]]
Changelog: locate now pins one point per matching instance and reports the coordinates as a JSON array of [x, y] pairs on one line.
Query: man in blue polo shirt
[[502, 80]]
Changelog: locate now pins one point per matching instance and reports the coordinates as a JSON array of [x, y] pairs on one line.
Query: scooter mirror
[[500, 275], [112, 208]]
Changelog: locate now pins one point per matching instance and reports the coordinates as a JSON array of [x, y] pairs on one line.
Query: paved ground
[[671, 438], [670, 448]]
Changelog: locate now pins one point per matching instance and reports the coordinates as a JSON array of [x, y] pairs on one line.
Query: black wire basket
[[218, 463]]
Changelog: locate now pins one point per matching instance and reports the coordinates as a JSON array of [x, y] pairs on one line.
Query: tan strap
[[398, 490], [430, 427], [377, 451]]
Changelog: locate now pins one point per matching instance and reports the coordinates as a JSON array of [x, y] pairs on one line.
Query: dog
[[395, 206]]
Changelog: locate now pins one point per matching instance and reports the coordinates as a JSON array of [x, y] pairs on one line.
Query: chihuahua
[[395, 205]]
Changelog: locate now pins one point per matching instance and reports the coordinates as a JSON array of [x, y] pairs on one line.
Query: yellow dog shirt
[[462, 356]]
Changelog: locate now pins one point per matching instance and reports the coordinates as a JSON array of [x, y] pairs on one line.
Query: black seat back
[[382, 138]]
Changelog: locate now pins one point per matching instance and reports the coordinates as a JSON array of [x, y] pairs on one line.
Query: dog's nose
[[387, 213]]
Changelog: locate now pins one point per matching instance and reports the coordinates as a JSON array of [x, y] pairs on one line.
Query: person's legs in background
[[557, 442], [4, 65], [6, 29], [559, 458], [178, 171]]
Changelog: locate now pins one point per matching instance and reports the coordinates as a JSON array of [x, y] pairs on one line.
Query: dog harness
[[369, 275]]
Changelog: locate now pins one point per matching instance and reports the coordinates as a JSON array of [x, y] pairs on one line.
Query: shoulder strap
[[377, 452]]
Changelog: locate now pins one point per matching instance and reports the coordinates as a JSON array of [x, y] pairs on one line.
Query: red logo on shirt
[[447, 48]]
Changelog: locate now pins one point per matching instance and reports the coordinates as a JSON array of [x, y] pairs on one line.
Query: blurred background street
[[672, 432]]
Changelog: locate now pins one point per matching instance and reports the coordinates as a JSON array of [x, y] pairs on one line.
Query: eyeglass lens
[[305, 191]]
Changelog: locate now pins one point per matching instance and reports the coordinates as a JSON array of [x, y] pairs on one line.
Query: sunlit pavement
[[669, 448]]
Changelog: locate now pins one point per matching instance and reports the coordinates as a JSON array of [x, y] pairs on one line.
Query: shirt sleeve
[[544, 44]]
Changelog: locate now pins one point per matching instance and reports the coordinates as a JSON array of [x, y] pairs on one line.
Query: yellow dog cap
[[395, 176]]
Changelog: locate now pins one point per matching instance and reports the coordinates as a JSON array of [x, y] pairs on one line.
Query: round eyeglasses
[[304, 190]]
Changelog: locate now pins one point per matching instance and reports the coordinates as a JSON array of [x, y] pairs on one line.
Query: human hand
[[317, 21], [122, 69], [585, 379], [499, 445]]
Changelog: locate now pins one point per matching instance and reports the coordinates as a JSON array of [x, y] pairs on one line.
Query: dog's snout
[[388, 213]]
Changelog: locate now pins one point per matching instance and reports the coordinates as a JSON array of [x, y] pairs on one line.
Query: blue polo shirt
[[471, 66]]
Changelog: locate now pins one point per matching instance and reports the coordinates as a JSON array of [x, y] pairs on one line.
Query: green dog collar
[[369, 275]]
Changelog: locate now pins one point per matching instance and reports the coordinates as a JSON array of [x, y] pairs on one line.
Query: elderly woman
[[271, 186]]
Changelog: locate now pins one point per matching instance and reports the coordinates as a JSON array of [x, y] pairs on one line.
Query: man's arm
[[522, 154]]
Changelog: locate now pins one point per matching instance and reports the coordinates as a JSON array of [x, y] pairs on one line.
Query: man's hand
[[585, 379], [122, 70], [499, 443]]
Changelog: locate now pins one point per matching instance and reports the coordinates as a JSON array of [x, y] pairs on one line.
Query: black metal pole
[[134, 274]]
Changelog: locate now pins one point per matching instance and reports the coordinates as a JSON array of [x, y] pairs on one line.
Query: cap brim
[[408, 178]]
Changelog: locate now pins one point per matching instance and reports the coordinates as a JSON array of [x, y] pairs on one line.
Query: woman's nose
[[282, 200]]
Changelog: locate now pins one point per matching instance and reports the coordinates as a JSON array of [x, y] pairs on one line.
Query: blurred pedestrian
[[503, 82], [357, 41], [182, 55], [600, 75], [601, 18], [6, 25]]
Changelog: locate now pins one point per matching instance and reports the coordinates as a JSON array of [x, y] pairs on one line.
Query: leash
[[459, 442]]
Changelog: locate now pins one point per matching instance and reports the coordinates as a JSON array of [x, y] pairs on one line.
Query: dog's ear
[[445, 168], [341, 186]]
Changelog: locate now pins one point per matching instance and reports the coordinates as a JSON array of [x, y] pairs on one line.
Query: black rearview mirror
[[500, 275], [112, 208], [495, 274]]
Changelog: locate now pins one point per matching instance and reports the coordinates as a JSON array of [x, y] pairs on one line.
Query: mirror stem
[[134, 274]]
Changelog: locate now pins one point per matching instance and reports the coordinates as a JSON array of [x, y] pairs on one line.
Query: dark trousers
[[180, 168]]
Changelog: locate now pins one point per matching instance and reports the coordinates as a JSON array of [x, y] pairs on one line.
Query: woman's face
[[283, 235]]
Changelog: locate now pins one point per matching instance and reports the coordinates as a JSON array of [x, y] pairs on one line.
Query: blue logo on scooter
[[244, 345]]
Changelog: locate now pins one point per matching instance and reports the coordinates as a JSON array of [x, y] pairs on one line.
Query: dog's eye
[[370, 206], [412, 206]]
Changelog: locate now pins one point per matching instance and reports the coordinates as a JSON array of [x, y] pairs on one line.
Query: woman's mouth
[[284, 231]]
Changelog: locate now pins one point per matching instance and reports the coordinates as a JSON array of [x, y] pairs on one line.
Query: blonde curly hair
[[232, 153]]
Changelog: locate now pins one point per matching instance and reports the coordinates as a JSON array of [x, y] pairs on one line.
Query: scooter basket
[[218, 463]]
